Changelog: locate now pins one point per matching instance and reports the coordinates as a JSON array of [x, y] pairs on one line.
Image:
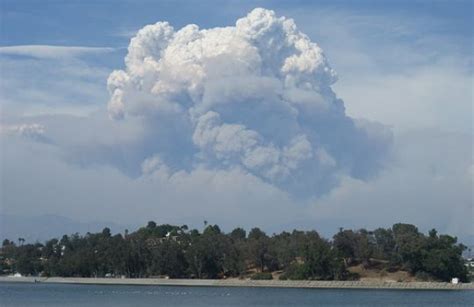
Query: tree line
[[178, 252]]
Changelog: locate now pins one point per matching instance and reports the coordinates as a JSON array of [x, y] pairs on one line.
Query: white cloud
[[154, 164], [41, 182], [434, 96], [402, 70], [255, 96], [214, 128], [35, 86], [52, 52], [426, 185], [22, 128], [27, 130]]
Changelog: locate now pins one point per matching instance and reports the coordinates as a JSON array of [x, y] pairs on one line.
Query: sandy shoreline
[[245, 283]]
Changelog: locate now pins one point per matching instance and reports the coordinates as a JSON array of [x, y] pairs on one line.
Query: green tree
[[259, 249], [238, 234]]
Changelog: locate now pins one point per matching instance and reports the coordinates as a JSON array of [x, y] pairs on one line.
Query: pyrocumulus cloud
[[255, 97]]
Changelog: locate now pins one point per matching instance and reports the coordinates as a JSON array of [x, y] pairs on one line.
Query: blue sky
[[99, 23], [403, 66]]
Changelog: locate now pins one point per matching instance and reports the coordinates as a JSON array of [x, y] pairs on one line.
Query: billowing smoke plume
[[256, 97]]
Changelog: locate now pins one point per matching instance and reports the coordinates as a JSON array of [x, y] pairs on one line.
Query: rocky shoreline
[[245, 283]]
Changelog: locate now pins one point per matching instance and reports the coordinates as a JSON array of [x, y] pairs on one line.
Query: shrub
[[351, 276], [262, 276], [296, 271], [423, 276], [283, 277]]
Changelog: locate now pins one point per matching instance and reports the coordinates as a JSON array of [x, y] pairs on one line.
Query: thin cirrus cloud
[[52, 52], [27, 130], [256, 96], [31, 131], [52, 79]]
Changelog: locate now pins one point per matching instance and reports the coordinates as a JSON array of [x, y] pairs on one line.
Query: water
[[16, 294]]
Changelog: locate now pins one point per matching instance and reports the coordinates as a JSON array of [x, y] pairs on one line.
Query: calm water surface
[[16, 294]]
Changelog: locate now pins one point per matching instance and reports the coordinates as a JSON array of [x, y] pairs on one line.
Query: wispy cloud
[[50, 51], [127, 33], [52, 79], [31, 131]]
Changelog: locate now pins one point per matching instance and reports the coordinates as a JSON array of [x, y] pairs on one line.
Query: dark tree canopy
[[178, 252]]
